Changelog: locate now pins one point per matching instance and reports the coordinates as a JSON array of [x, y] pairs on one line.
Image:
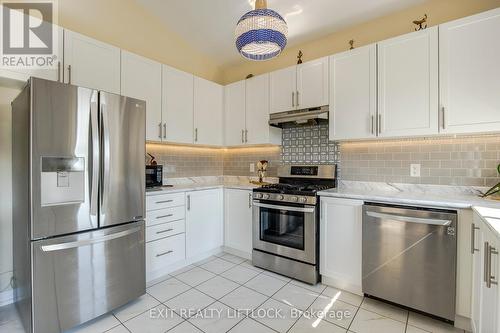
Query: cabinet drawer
[[164, 252], [165, 215], [165, 230], [154, 202]]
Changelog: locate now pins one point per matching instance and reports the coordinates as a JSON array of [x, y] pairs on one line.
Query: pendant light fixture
[[261, 34]]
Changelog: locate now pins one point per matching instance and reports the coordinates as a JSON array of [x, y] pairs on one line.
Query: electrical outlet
[[252, 167], [415, 170]]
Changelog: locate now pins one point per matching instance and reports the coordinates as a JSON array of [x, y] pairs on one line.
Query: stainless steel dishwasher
[[409, 257]]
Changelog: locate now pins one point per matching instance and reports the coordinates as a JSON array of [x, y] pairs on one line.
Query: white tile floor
[[238, 295]]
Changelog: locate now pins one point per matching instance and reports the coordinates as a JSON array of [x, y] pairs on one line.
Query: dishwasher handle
[[409, 219]]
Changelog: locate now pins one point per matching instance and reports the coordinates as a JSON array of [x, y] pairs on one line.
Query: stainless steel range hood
[[297, 118]]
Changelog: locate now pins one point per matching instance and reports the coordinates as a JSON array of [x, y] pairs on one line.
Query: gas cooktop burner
[[305, 189]]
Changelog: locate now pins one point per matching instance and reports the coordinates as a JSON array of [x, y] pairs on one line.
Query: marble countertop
[[457, 197], [206, 183]]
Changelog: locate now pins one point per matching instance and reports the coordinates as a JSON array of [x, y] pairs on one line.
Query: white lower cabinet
[[165, 233], [204, 222], [162, 253], [340, 243], [238, 220], [485, 291]]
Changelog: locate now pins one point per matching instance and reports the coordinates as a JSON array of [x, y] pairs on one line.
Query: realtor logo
[[29, 34]]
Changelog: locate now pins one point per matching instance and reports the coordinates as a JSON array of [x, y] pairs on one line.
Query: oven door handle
[[289, 208]]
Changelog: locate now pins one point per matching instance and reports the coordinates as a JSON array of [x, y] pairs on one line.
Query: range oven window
[[282, 227]]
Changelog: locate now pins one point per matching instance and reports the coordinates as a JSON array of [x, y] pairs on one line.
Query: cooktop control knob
[[265, 196], [294, 199], [280, 197], [258, 195], [302, 199]]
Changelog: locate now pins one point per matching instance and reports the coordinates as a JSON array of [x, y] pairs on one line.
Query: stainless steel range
[[286, 221]]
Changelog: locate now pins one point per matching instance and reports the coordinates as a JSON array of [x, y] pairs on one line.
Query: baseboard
[[341, 284], [463, 323], [6, 297], [238, 253]]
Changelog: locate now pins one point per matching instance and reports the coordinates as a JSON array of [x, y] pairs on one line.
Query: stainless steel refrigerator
[[78, 203]]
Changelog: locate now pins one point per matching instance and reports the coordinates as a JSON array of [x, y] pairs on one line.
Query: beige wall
[[127, 25], [6, 96], [439, 11]]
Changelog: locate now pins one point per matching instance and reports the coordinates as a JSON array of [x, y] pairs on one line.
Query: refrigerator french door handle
[[95, 154], [84, 242], [104, 154]]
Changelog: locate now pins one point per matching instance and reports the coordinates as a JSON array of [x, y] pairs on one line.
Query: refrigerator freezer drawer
[[165, 215], [161, 201], [164, 252], [80, 277], [164, 230]]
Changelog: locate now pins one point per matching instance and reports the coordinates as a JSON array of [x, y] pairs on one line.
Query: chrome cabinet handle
[[373, 123], [485, 259], [164, 130], [195, 135], [58, 71], [249, 200], [159, 127], [246, 135], [293, 98], [379, 124], [71, 245], [297, 100], [242, 136], [490, 279], [164, 253], [164, 201], [188, 202], [164, 231], [473, 229], [443, 119], [409, 219], [69, 74], [164, 216]]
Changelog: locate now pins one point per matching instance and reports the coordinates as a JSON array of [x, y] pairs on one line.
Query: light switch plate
[[415, 170], [252, 167]]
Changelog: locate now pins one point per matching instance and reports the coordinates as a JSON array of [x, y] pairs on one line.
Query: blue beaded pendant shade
[[261, 34]]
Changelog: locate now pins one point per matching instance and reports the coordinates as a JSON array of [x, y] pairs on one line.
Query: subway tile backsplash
[[470, 161], [444, 161]]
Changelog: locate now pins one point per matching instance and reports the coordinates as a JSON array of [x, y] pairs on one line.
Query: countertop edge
[[396, 200]]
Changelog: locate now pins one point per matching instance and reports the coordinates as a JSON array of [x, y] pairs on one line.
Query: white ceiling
[[208, 25]]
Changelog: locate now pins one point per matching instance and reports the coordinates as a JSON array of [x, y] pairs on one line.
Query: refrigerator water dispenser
[[62, 181]]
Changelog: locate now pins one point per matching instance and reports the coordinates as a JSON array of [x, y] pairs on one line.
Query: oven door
[[285, 230]]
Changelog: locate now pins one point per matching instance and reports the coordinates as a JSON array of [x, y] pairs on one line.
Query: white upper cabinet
[[91, 63], [283, 87], [208, 112], [53, 74], [408, 84], [470, 74], [353, 94], [299, 87], [141, 79], [234, 113], [177, 101], [258, 130], [312, 84]]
